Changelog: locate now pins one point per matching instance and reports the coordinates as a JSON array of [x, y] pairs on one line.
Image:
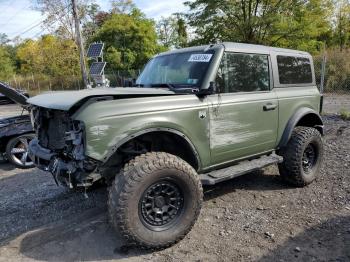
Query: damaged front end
[[60, 148]]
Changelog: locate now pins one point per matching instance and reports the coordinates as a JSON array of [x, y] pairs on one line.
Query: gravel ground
[[255, 217], [10, 110], [334, 103]]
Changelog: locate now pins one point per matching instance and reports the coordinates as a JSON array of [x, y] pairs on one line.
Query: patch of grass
[[344, 114]]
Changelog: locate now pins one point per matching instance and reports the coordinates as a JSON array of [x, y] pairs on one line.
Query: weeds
[[344, 114]]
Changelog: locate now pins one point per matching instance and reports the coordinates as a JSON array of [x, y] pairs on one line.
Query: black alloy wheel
[[309, 158], [161, 204]]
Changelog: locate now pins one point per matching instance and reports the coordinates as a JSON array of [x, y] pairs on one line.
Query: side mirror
[[209, 91], [212, 87], [129, 82]]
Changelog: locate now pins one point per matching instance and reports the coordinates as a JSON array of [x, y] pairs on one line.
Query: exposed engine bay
[[59, 148]]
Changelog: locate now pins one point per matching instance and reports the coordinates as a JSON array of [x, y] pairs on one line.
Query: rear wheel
[[155, 200], [17, 151], [302, 156]]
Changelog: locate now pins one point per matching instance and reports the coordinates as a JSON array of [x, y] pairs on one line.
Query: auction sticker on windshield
[[200, 58]]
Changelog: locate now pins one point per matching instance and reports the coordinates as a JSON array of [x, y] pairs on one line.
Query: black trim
[[150, 130], [293, 121]]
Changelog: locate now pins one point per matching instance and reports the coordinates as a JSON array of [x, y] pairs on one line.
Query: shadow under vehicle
[[15, 132]]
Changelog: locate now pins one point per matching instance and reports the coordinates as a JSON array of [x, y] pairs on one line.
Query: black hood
[[13, 94]]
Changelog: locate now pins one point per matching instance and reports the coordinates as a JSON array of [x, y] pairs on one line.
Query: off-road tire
[[291, 169], [13, 159], [129, 187]]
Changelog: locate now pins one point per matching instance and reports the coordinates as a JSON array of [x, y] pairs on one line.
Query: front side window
[[294, 70], [240, 72], [186, 69]]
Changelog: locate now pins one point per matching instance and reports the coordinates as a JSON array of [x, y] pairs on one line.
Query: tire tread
[[290, 167], [130, 175]]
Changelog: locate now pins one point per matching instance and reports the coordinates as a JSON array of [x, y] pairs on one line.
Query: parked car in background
[[15, 132]]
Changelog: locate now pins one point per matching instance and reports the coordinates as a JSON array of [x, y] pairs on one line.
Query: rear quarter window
[[294, 70]]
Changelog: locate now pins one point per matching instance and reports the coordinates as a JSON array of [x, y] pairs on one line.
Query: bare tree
[[59, 17], [166, 29], [80, 44], [122, 6], [172, 31], [4, 39]]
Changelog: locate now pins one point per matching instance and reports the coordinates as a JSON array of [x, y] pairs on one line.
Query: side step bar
[[239, 169]]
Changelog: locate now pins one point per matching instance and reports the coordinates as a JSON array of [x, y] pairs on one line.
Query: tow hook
[[54, 171], [58, 167]]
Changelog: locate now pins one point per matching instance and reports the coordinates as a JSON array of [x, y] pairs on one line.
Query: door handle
[[269, 106]]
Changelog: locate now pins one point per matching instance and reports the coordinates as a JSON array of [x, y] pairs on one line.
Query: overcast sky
[[17, 16]]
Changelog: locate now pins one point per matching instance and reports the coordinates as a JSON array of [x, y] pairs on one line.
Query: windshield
[[176, 70]]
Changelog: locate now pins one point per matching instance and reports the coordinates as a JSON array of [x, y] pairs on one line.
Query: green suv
[[195, 116]]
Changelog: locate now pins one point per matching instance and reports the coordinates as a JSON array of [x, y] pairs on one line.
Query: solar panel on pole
[[97, 68], [95, 50]]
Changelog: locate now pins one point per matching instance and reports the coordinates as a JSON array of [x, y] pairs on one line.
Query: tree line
[[131, 38]]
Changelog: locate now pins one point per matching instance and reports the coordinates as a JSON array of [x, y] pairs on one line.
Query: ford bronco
[[198, 115]]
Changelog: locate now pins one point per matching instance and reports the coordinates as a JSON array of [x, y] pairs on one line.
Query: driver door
[[244, 116]]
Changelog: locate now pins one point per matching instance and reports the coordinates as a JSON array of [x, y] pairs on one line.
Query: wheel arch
[[185, 148], [302, 117]]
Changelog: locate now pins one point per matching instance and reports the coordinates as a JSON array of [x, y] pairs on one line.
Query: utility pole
[[80, 44]]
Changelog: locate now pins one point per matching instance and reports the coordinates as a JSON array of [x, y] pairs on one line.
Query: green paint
[[222, 128]]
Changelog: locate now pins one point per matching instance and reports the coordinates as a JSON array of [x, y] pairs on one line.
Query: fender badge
[[202, 114]]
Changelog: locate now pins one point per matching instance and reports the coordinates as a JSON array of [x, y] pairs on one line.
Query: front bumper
[[49, 161], [40, 156], [67, 172]]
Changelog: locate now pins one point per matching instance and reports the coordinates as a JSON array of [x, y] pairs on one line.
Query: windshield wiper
[[168, 85], [178, 88]]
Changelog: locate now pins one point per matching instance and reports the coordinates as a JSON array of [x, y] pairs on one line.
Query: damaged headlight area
[[60, 148]]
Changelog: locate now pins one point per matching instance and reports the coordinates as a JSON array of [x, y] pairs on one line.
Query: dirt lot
[[251, 218], [10, 110], [334, 103]]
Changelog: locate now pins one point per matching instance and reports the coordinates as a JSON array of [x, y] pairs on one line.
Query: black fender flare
[[150, 130], [293, 121]]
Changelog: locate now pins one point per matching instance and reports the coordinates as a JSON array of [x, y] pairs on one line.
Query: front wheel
[[303, 156], [155, 200]]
